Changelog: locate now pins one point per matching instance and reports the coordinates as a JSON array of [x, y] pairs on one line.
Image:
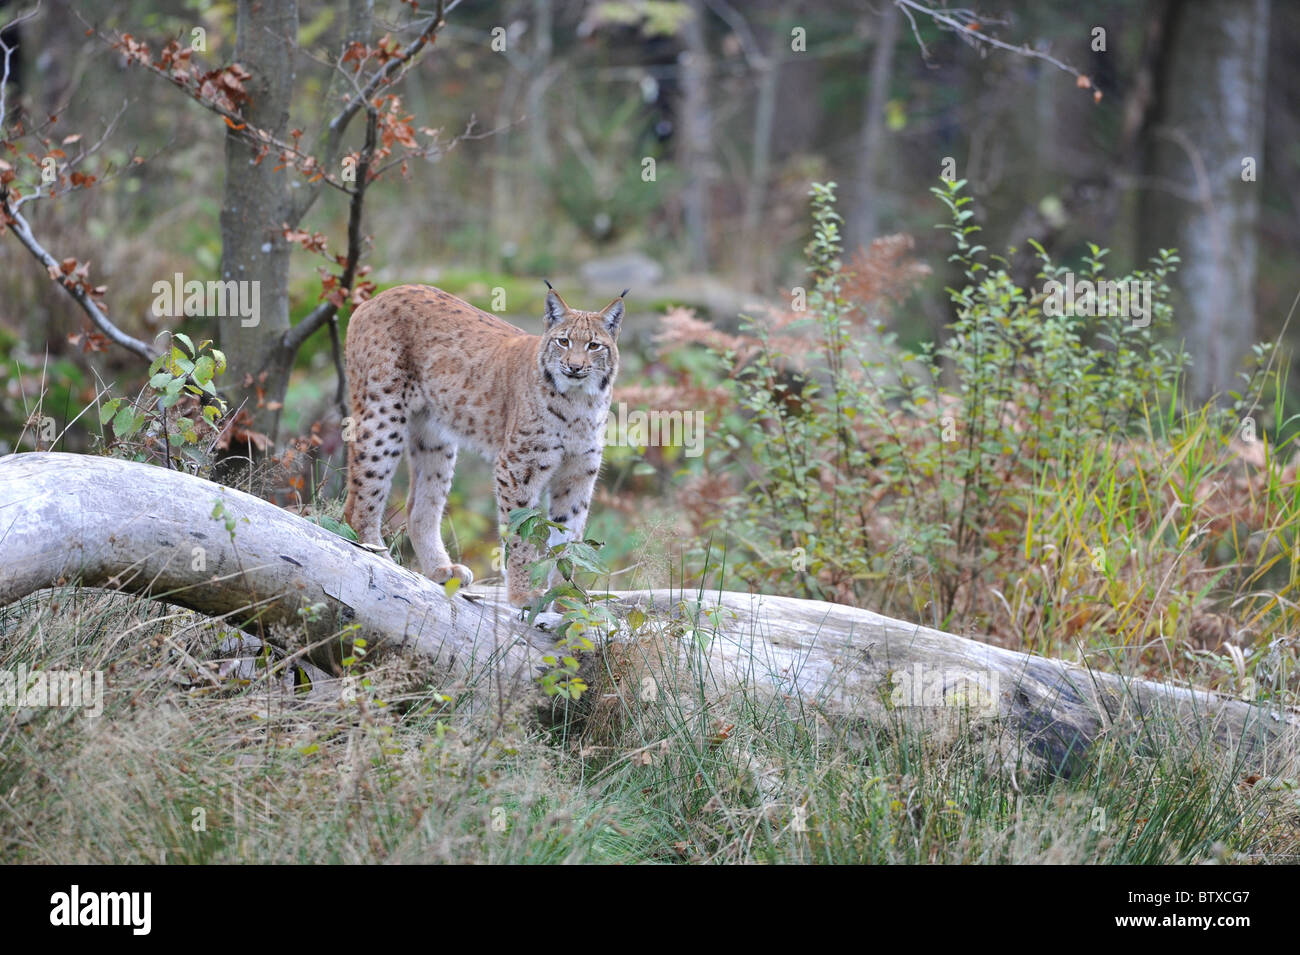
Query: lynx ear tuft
[[613, 315], [556, 310], [549, 285]]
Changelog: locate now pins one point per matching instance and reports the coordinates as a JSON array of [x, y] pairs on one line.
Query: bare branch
[[82, 156], [967, 25], [327, 311], [8, 52], [236, 124], [23, 231], [337, 126]]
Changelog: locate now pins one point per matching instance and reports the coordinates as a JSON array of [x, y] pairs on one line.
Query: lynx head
[[580, 349]]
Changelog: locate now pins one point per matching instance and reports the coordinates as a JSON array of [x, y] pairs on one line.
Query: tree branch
[[23, 231], [337, 126], [327, 310], [8, 52], [967, 25]]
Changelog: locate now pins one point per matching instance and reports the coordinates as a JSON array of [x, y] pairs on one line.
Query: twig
[[971, 34], [327, 310], [39, 191], [336, 127], [9, 51]]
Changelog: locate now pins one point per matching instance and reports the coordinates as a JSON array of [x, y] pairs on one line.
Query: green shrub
[[1035, 477]]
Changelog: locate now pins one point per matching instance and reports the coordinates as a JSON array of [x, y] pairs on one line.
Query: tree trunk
[[505, 228], [697, 152], [1211, 120], [873, 127], [539, 133], [102, 522], [256, 206], [757, 253]]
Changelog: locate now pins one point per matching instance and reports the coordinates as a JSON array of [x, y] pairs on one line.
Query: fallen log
[[104, 523]]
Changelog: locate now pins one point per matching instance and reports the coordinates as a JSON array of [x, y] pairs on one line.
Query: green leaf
[[330, 524], [204, 369], [185, 340], [124, 422], [108, 409], [521, 516]]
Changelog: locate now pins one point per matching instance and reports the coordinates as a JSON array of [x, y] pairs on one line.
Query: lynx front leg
[[518, 485], [571, 492]]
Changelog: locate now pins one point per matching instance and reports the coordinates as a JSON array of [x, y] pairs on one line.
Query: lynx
[[431, 374]]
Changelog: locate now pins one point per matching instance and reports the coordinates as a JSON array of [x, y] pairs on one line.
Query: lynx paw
[[459, 571]]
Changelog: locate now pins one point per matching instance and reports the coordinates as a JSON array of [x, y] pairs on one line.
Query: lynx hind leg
[[379, 413], [433, 462]]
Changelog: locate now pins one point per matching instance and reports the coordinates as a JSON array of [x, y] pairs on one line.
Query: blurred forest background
[[671, 147]]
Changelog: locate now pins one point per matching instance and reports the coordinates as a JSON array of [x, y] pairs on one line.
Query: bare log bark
[[101, 522]]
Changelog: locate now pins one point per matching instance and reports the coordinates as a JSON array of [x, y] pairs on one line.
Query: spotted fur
[[430, 374]]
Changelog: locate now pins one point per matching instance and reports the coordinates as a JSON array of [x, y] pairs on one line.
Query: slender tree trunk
[[505, 225], [539, 134], [756, 252], [255, 207], [873, 127], [541, 158], [697, 152], [1211, 122]]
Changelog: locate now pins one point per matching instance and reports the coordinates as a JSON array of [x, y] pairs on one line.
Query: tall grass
[[181, 770]]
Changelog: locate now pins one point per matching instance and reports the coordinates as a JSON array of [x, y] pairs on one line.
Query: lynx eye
[[562, 342], [593, 346]]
